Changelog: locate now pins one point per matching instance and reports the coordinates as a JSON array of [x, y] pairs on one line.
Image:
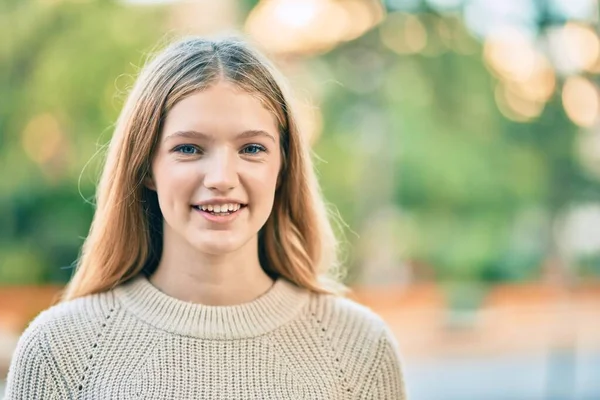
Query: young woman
[[205, 272]]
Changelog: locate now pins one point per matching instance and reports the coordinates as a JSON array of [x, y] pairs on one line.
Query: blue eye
[[253, 149], [186, 149]]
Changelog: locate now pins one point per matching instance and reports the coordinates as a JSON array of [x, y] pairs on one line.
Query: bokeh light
[[574, 47], [404, 33], [310, 26], [511, 55], [516, 107], [42, 138], [459, 140], [581, 101]]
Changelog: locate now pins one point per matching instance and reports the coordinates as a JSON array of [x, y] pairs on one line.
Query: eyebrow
[[191, 134]]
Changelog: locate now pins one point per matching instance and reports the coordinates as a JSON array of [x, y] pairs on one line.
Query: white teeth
[[220, 208]]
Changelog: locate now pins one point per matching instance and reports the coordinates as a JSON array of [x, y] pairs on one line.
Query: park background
[[459, 140]]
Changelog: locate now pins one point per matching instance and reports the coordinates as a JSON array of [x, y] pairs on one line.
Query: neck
[[218, 280]]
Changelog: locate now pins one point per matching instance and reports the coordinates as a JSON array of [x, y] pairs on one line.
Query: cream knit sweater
[[135, 342]]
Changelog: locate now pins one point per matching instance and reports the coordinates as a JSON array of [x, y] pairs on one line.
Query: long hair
[[125, 239]]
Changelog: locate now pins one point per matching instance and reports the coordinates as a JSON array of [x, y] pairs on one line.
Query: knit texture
[[135, 342]]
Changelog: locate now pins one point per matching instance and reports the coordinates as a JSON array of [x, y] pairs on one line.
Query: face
[[215, 169]]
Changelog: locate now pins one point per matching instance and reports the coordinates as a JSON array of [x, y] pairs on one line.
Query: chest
[[192, 369]]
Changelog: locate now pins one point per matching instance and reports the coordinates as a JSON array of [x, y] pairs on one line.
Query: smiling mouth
[[220, 210]]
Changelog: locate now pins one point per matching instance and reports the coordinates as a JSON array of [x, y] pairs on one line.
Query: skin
[[220, 155]]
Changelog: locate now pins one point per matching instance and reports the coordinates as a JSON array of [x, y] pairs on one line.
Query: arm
[[386, 381], [29, 373]]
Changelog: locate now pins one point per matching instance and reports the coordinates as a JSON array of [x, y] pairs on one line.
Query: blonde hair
[[297, 242]]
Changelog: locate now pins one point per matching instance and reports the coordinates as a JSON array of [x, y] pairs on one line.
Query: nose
[[221, 173]]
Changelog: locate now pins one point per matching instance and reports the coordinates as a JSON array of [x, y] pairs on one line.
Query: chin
[[216, 247]]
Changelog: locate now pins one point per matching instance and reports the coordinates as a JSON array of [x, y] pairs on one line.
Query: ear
[[149, 182]]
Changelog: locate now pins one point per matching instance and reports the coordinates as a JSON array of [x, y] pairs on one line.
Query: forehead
[[220, 110]]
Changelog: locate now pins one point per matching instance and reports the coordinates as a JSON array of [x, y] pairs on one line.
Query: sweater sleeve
[[29, 374], [386, 381]]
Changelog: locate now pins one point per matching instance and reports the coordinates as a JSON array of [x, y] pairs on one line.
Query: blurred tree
[[62, 81], [478, 193], [419, 132]]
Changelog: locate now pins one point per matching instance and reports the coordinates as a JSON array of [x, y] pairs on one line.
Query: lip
[[219, 201], [219, 219]]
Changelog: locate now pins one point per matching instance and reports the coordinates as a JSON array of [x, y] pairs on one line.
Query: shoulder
[[367, 348], [51, 340], [63, 325], [71, 316], [341, 313], [352, 328]]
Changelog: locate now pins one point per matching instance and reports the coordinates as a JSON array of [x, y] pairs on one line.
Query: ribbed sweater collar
[[279, 305]]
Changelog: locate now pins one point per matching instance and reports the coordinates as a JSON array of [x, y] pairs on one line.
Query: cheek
[[172, 180], [261, 186], [267, 179]]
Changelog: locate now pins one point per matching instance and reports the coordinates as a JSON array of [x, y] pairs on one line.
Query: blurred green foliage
[[73, 61], [479, 194], [475, 193]]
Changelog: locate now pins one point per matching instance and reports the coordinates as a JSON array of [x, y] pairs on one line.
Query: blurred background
[[459, 140]]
